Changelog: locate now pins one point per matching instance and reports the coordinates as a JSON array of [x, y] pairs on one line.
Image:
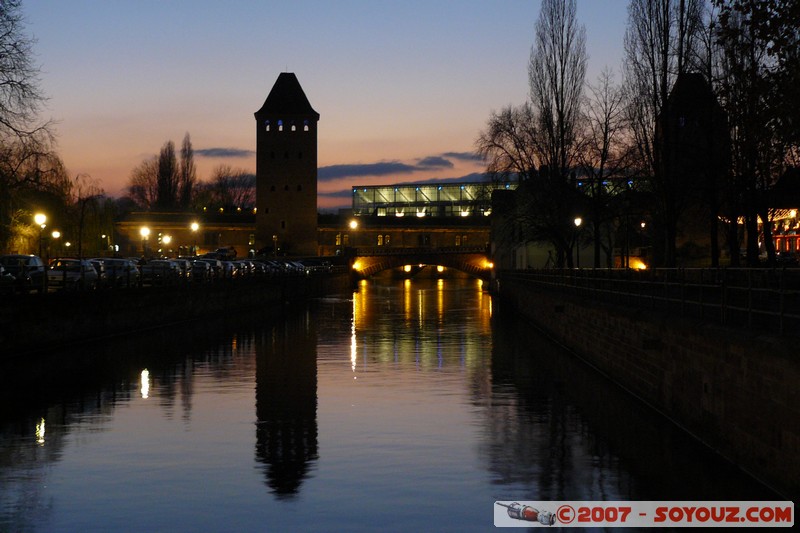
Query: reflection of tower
[[286, 170], [286, 404]]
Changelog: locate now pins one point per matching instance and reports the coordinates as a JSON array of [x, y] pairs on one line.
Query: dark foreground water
[[404, 406]]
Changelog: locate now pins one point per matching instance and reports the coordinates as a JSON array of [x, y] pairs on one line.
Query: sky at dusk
[[403, 88]]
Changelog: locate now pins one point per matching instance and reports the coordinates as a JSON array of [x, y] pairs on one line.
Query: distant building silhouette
[[286, 170], [692, 155]]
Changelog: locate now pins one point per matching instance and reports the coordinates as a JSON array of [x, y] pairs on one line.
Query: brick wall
[[736, 392]]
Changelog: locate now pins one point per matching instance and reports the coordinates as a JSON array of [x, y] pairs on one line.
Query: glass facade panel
[[437, 200]]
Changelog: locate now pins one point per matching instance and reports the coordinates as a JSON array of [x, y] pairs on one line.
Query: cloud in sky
[[387, 168], [434, 162], [382, 168], [336, 182], [224, 152], [464, 156]]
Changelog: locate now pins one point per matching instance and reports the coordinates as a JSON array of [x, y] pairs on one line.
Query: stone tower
[[286, 170]]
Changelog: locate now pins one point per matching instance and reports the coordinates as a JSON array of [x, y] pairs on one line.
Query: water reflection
[[452, 409], [286, 404], [558, 430], [49, 400]]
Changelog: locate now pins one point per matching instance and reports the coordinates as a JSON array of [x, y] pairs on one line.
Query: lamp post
[[40, 219], [194, 226], [145, 233], [346, 241], [578, 221], [56, 235], [106, 241], [165, 240]]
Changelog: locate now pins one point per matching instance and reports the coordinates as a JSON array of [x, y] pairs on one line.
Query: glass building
[[431, 200]]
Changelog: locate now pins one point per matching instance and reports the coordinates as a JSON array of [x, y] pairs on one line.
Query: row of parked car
[[26, 273]]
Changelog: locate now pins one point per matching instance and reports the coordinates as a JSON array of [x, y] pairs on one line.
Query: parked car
[[185, 266], [72, 274], [7, 282], [201, 271], [28, 271], [160, 271], [229, 270], [216, 266], [100, 268], [246, 268], [121, 272]]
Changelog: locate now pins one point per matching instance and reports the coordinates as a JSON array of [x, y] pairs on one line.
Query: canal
[[402, 406]]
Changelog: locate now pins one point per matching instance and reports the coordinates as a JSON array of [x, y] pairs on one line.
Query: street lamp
[[145, 233], [40, 219], [165, 240], [195, 226], [106, 241], [578, 221], [56, 235]]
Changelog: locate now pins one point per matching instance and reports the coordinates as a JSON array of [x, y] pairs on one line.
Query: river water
[[403, 406]]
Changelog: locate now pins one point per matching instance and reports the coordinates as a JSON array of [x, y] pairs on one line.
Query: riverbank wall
[[36, 323], [735, 391]]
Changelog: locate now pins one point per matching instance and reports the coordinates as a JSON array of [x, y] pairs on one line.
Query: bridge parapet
[[472, 260]]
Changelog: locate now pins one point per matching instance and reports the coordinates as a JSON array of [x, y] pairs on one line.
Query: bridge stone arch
[[473, 261]]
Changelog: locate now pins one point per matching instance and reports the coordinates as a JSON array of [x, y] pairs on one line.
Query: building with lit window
[[428, 200], [430, 215]]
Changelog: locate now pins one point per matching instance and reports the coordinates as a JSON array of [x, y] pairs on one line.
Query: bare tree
[[167, 177], [232, 188], [187, 173], [510, 144], [537, 142], [86, 192], [760, 61], [556, 75], [20, 98], [143, 184], [29, 166], [660, 42], [602, 155]]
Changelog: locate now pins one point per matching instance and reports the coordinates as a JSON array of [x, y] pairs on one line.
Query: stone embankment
[[35, 323], [735, 391]]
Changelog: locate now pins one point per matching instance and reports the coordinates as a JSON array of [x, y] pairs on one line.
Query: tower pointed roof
[[287, 98]]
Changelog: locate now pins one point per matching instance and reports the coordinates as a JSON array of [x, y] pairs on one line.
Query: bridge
[[444, 224], [472, 260]]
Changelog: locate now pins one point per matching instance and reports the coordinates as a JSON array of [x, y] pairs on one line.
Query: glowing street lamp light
[[578, 221], [40, 219], [55, 235], [194, 226], [145, 233], [353, 224]]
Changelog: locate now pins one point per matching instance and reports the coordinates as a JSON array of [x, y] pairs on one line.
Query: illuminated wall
[[433, 200]]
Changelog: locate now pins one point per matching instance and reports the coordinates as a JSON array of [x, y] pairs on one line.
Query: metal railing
[[757, 299]]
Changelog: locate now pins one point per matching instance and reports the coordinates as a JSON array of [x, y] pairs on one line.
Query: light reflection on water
[[403, 406]]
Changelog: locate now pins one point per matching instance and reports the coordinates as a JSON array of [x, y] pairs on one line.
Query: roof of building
[[692, 95], [287, 98]]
